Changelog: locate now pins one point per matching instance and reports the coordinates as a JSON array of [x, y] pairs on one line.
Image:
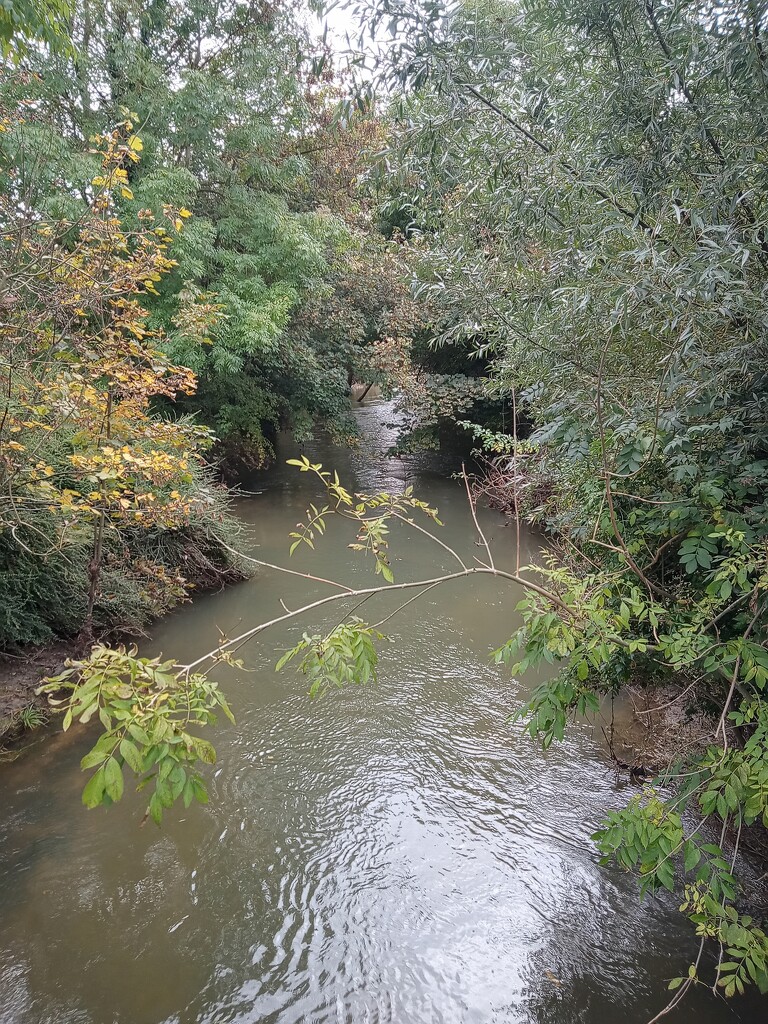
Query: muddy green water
[[397, 853]]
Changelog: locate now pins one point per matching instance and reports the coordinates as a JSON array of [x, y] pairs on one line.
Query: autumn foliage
[[88, 468]]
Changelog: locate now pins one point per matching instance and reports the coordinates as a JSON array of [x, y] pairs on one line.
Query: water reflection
[[396, 853]]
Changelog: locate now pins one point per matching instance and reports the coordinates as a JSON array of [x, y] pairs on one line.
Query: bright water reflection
[[398, 853]]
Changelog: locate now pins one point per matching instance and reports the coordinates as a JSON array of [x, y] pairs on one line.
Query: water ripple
[[394, 854]]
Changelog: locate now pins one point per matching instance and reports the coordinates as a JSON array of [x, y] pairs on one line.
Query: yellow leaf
[[126, 193], [184, 212], [135, 143]]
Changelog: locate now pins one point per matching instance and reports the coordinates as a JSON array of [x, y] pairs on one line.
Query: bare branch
[[425, 585], [474, 517]]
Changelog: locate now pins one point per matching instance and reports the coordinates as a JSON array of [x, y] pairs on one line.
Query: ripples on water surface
[[397, 853]]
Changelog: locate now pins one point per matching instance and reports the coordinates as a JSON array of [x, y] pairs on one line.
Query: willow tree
[[587, 184]]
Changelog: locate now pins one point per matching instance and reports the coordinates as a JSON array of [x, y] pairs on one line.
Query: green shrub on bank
[[145, 573]]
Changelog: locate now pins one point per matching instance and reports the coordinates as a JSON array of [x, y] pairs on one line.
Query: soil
[[652, 729], [20, 675]]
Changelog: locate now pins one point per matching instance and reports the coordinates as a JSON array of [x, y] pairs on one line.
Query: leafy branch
[[344, 656], [147, 711]]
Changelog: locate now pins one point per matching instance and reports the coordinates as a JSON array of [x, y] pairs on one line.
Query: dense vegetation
[[188, 267], [578, 193], [587, 188]]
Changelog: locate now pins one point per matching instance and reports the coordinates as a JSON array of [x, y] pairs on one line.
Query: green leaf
[[164, 793], [92, 758], [201, 793], [691, 857], [132, 755], [155, 809], [139, 733], [205, 751], [113, 779], [93, 793]]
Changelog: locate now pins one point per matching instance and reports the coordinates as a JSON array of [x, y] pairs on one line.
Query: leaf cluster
[[148, 713], [345, 656]]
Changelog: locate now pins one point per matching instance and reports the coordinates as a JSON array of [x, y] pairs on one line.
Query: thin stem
[[289, 572], [662, 707], [474, 517], [424, 584], [404, 605], [410, 522], [679, 995]]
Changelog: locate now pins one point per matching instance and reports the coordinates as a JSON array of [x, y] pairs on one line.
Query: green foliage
[[147, 711], [586, 191], [32, 717], [102, 500], [648, 837], [579, 190], [24, 22], [145, 573], [261, 266], [372, 529], [343, 657]]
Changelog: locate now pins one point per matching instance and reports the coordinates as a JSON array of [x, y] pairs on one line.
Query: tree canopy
[[544, 223]]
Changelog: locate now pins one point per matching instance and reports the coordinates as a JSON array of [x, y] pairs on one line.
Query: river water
[[392, 853]]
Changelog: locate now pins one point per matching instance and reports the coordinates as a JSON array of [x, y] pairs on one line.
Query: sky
[[340, 21], [343, 29]]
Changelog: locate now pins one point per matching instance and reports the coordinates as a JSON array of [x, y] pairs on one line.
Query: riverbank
[[396, 851], [656, 719], [21, 709], [22, 671], [203, 571]]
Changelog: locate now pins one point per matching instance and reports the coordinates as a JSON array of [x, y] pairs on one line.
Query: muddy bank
[[22, 672], [646, 734], [20, 675]]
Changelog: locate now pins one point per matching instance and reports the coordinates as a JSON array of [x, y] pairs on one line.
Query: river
[[397, 852]]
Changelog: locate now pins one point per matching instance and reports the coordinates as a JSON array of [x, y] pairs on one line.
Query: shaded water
[[395, 853]]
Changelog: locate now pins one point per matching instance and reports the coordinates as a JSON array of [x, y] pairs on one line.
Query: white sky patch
[[341, 23], [348, 35]]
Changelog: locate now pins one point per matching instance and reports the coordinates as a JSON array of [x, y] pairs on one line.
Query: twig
[[678, 996], [663, 707], [474, 517], [410, 522], [404, 605], [282, 568], [366, 591]]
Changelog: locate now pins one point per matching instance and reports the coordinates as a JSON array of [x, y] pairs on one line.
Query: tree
[[584, 194], [26, 21], [586, 186], [100, 499], [251, 163]]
